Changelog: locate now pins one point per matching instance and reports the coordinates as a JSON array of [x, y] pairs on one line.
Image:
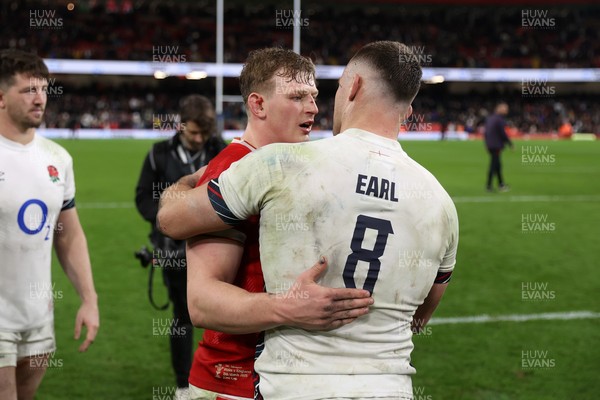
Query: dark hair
[[13, 62], [397, 65], [261, 65], [199, 109]]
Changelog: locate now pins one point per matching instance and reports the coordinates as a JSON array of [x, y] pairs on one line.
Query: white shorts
[[34, 342], [200, 394]]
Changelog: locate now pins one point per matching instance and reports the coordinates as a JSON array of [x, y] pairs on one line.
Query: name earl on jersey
[[376, 187]]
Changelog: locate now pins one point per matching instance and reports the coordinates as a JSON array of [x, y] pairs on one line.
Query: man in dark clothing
[[192, 147], [495, 140]]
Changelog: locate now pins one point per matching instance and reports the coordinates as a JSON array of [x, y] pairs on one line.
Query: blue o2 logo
[[42, 221]]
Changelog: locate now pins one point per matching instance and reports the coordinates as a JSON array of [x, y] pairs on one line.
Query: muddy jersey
[[384, 223]]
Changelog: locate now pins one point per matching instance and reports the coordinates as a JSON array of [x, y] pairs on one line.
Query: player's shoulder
[[222, 161], [52, 148], [430, 180], [293, 152]]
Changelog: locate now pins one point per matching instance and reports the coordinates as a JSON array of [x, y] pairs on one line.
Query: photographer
[[192, 147]]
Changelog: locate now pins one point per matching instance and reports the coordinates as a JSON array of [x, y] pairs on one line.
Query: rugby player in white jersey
[[37, 210], [384, 222]]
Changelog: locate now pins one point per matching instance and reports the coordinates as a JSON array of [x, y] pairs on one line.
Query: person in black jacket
[[495, 140], [192, 147]]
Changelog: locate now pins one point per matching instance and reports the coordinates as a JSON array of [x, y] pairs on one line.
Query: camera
[[144, 255]]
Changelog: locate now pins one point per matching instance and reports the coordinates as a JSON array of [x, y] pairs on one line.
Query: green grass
[[464, 361]]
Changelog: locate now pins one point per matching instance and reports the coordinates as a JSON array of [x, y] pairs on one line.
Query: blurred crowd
[[468, 112], [456, 36], [331, 31], [135, 107]]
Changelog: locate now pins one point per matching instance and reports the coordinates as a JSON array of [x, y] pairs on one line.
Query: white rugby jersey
[[36, 179], [384, 223]]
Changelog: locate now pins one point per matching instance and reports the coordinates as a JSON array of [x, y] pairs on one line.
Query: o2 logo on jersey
[[384, 229], [32, 217]]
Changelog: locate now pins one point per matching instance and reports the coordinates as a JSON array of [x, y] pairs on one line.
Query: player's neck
[[16, 134], [388, 130], [372, 115], [254, 138]]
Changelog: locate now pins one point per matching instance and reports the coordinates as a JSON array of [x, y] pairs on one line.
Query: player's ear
[[408, 113], [356, 85], [256, 104]]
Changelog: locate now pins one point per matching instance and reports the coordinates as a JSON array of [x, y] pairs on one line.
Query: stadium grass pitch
[[532, 250]]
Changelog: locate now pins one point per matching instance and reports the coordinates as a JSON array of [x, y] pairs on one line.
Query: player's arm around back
[[72, 251], [186, 211], [215, 303]]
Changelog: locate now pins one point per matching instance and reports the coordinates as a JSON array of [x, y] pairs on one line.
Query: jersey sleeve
[[449, 259], [214, 169], [69, 193], [240, 191]]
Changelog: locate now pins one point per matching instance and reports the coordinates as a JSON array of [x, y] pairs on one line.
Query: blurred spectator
[[566, 130], [496, 139]]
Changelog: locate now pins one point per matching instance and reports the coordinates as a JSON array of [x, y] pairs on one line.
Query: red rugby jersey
[[224, 363]]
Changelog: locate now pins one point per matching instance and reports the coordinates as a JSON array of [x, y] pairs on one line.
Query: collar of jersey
[[244, 143], [17, 146]]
